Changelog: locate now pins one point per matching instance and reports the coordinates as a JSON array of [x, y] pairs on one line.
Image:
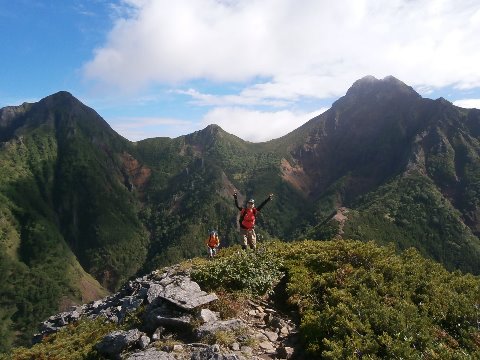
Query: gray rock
[[75, 315], [166, 317], [211, 328], [186, 294], [246, 350], [150, 354], [143, 342], [266, 345], [154, 292], [117, 341], [260, 336], [131, 303], [96, 304], [272, 336], [212, 353], [167, 280], [207, 315]]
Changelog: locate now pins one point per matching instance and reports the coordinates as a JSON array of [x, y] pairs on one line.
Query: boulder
[[114, 343], [154, 292], [165, 316], [207, 315], [212, 327], [186, 293], [272, 336]]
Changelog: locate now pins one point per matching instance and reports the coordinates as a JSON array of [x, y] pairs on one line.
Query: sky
[[257, 68]]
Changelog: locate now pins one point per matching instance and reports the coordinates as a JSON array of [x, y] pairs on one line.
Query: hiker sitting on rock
[[247, 221], [212, 242]]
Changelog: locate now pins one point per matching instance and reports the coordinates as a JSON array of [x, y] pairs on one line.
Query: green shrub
[[358, 299], [255, 272], [74, 342]]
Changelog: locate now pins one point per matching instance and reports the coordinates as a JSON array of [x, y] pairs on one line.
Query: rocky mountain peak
[[389, 86], [60, 98], [67, 109], [444, 101], [212, 130], [210, 136]]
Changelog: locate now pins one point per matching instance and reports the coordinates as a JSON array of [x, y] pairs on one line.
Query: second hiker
[[212, 242], [247, 221]]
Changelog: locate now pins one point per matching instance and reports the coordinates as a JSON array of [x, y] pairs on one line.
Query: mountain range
[[83, 209]]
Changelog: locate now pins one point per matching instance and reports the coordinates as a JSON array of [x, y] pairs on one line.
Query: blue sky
[[257, 68]]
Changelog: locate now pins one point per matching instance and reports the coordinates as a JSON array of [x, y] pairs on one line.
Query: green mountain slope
[[412, 212], [78, 200], [55, 194]]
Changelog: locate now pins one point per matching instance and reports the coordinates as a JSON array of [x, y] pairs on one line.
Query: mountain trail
[[175, 321]]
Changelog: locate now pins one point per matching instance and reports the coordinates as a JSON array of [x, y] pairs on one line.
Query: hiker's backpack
[[247, 218]]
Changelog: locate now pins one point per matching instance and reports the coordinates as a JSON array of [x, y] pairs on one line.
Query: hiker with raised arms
[[247, 221]]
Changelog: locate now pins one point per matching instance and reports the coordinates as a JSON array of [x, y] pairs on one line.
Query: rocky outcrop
[[117, 341], [175, 323]]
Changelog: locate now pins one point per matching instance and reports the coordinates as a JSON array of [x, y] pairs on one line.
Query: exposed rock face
[[136, 175], [174, 307]]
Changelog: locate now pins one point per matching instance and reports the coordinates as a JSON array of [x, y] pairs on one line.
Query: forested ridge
[[83, 209]]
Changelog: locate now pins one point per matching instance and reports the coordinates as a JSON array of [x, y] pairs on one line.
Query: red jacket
[[212, 241], [247, 216]]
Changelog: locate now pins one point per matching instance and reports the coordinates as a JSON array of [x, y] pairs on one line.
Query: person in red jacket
[[212, 242], [248, 215]]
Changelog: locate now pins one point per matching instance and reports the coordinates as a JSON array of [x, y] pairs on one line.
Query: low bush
[[359, 300], [254, 272], [74, 342]]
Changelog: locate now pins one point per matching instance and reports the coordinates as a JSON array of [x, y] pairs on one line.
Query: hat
[[251, 201]]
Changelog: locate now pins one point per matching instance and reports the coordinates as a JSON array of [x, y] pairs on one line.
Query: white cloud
[[468, 103], [243, 99], [310, 48], [139, 128], [257, 126]]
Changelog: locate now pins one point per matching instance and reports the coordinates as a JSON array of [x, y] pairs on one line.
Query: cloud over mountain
[[280, 49]]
